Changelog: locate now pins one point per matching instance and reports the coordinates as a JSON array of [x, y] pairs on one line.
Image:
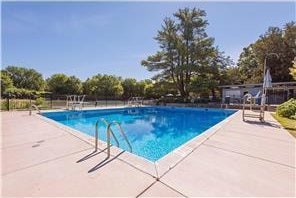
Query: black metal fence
[[53, 101], [49, 101]]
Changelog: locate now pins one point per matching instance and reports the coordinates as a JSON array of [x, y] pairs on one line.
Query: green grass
[[287, 123]]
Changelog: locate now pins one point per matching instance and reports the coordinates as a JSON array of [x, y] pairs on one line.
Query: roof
[[259, 85]]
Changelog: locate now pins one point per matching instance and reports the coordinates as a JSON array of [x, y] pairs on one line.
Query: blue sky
[[84, 39]]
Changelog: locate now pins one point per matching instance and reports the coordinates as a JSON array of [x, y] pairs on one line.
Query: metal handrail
[[35, 107], [122, 133], [97, 133]]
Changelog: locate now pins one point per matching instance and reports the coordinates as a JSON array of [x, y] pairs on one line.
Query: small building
[[277, 94]]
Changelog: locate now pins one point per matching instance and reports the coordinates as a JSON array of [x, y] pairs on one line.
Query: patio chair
[[255, 111], [79, 102], [70, 101], [135, 101]]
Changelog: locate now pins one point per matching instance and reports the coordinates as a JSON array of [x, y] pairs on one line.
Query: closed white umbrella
[[267, 80]]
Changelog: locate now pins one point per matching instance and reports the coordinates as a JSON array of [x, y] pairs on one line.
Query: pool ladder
[[35, 107], [110, 133]]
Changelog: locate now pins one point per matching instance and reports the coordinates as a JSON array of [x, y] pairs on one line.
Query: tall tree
[[25, 78], [293, 69], [63, 84], [275, 40], [214, 74], [103, 86], [129, 87], [248, 66], [159, 88], [185, 49], [6, 82]]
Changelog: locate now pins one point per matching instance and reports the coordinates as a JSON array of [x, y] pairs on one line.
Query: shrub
[[15, 104], [287, 109], [39, 101], [20, 104], [4, 105]]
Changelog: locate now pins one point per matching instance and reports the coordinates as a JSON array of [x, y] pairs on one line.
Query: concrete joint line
[[250, 156], [54, 159], [202, 143]]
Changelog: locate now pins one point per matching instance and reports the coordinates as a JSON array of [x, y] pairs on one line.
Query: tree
[[231, 76], [275, 40], [159, 89], [6, 82], [129, 87], [216, 73], [103, 86], [185, 49], [248, 68], [293, 69], [25, 78], [74, 85], [141, 88], [63, 84], [132, 87]]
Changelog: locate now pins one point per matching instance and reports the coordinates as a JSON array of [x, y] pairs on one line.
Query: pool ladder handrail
[[97, 133], [109, 133], [122, 133], [35, 107]]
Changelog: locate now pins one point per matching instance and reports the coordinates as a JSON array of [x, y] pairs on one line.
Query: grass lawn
[[287, 123]]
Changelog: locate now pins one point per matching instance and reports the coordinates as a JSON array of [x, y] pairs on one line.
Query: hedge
[[287, 109]]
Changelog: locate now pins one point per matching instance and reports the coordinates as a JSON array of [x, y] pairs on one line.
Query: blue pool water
[[152, 131]]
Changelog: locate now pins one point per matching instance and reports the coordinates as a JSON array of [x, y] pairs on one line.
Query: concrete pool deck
[[239, 159]]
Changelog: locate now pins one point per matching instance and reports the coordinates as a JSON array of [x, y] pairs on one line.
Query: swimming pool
[[152, 131]]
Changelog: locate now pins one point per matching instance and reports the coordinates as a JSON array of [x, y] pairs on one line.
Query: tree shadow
[[92, 154], [104, 162]]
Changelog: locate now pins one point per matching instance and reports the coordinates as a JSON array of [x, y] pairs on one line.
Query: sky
[[87, 38]]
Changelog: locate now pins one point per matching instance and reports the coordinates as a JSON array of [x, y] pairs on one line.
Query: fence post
[[8, 103], [30, 108], [51, 101]]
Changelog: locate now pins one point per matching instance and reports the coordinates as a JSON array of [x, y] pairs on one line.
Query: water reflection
[[153, 132]]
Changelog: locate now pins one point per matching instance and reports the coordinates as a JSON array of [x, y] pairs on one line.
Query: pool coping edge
[[156, 169]]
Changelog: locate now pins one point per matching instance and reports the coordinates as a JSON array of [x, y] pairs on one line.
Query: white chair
[[135, 101], [74, 101]]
